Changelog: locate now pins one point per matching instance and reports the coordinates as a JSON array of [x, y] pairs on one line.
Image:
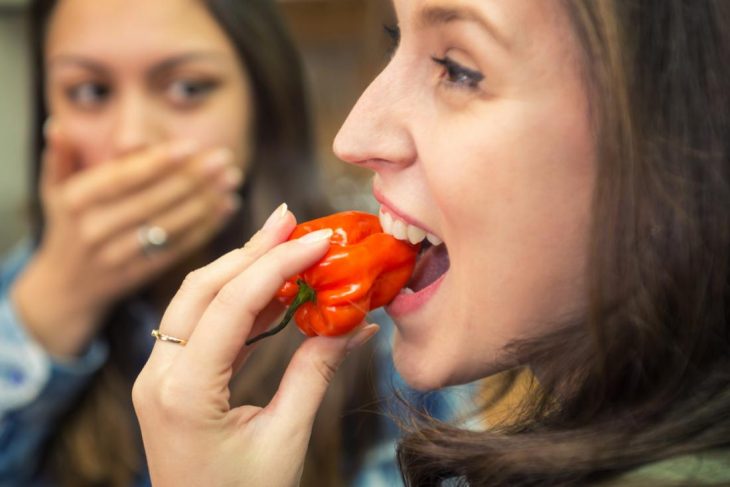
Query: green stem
[[305, 294]]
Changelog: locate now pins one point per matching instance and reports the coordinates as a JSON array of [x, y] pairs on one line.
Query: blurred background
[[342, 47]]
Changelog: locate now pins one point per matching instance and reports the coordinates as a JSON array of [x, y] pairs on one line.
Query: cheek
[[89, 138], [516, 204], [215, 130], [514, 159], [224, 123], [87, 133], [522, 183]]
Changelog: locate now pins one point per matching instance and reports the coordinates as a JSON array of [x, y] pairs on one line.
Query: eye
[[188, 92], [457, 75], [88, 95], [393, 32]]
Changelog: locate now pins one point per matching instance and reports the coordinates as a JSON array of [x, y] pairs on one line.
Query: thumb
[[60, 159], [310, 373]]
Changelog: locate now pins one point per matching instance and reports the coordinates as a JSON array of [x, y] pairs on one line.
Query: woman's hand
[[191, 434], [91, 255]]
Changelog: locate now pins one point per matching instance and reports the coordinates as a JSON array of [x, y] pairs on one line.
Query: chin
[[417, 366], [425, 370], [417, 378]]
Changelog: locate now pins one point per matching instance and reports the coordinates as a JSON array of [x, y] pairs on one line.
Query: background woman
[[173, 126]]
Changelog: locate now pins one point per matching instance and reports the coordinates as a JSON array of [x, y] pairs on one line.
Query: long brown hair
[[97, 442], [645, 374]]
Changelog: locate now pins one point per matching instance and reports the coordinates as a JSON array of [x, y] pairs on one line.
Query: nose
[[376, 133], [134, 127]]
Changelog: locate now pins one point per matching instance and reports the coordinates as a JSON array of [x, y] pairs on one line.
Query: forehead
[[529, 33], [513, 20], [109, 28]]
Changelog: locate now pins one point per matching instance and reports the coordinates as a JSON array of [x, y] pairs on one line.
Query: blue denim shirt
[[34, 389]]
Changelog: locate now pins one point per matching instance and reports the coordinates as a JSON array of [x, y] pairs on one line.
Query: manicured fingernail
[[315, 237], [362, 337], [217, 160], [276, 216], [181, 149]]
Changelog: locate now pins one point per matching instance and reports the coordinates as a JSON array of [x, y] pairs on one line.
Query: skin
[[152, 57], [501, 169], [141, 132]]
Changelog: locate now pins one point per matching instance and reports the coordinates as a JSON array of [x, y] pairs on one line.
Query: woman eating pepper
[[571, 161]]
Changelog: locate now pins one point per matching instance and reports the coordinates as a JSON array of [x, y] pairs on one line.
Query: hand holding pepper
[[363, 270], [192, 434]]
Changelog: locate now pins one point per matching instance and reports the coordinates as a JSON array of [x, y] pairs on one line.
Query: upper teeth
[[405, 231]]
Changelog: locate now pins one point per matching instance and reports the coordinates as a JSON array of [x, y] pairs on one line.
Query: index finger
[[201, 286], [127, 175], [217, 341]]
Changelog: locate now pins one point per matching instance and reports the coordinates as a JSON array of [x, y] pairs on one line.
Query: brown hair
[[97, 442], [645, 374]]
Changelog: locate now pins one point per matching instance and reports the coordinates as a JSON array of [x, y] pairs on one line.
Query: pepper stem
[[305, 294]]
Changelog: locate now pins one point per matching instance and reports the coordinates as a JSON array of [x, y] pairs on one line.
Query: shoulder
[[707, 468]]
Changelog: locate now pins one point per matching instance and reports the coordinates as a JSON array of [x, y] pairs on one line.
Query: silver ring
[[152, 239]]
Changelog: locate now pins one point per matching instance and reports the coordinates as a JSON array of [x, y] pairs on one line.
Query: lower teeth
[[407, 290]]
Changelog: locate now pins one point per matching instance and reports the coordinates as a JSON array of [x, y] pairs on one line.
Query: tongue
[[430, 266]]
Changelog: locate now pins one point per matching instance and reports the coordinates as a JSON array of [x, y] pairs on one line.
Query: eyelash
[[457, 75], [194, 91], [393, 33], [75, 93], [200, 89]]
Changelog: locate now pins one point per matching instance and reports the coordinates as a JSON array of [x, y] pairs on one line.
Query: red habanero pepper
[[364, 269]]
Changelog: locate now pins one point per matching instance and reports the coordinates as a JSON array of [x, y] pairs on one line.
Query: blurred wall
[[344, 46], [13, 122]]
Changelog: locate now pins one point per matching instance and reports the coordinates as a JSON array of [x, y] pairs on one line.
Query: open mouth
[[433, 258], [432, 263]]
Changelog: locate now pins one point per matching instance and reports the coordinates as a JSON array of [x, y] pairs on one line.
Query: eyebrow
[[171, 63], [434, 15], [78, 61], [161, 67]]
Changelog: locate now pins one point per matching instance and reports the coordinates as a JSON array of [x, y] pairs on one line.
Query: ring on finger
[[167, 338], [152, 239]]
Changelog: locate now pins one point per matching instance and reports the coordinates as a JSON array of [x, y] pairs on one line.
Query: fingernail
[[217, 160], [231, 178], [277, 215], [315, 237], [182, 149], [362, 337]]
